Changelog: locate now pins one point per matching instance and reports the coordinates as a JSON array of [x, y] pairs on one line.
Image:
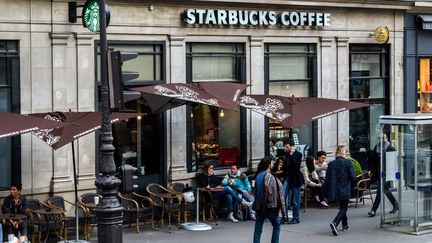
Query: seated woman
[[208, 180], [16, 204], [277, 169], [312, 180]]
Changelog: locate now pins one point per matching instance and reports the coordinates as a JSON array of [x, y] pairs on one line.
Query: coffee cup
[[11, 237], [253, 183], [96, 200]]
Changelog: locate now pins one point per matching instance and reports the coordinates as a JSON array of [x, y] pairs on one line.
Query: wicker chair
[[90, 216], [68, 221], [179, 188], [38, 224], [137, 207], [362, 188], [156, 193]]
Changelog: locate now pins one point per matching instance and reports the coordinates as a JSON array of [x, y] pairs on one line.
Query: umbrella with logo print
[[15, 124], [295, 111], [166, 96], [81, 124]]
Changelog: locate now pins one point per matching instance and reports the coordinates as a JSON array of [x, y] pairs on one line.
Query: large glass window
[[424, 85], [290, 71], [215, 135], [140, 141], [9, 102], [369, 83]]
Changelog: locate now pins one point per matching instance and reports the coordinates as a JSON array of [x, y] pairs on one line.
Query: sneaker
[[395, 209], [246, 204], [371, 213], [345, 228], [324, 204], [333, 229], [253, 218], [231, 217], [293, 221]]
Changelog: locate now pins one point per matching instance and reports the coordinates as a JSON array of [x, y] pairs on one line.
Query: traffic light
[[118, 77], [128, 176]]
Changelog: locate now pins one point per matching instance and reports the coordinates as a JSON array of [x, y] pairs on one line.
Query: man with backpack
[[268, 200]]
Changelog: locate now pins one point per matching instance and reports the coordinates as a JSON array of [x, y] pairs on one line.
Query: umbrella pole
[[76, 193]]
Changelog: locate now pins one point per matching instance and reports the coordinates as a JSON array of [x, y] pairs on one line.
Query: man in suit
[[376, 171], [293, 179]]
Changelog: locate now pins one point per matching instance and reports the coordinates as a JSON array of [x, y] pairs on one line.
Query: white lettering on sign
[[254, 17]]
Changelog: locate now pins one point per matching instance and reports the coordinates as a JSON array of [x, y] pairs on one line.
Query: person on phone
[[15, 203]]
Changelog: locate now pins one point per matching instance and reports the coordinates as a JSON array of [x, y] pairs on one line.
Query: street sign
[[90, 15]]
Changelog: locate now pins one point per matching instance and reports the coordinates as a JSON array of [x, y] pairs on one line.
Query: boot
[[231, 217]]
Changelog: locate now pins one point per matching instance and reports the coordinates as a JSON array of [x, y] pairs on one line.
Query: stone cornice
[[256, 41], [59, 38], [326, 41], [84, 39], [177, 40], [342, 41]]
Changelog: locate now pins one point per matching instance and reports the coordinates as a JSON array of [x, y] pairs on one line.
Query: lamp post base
[[196, 226], [73, 241]]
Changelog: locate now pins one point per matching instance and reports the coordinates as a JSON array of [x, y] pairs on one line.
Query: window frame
[[13, 85], [241, 78], [312, 69]]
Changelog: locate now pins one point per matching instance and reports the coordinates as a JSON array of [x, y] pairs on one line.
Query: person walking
[[339, 178], [268, 200], [375, 172]]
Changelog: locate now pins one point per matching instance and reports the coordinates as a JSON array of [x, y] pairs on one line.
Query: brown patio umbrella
[[14, 124], [81, 123], [165, 96], [294, 111]]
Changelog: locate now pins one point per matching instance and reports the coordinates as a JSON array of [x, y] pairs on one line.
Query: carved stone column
[[176, 119], [328, 90], [256, 121], [343, 87]]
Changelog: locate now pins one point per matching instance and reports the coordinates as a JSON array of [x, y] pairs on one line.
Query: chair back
[[88, 197], [153, 189], [57, 201], [33, 204], [178, 187]]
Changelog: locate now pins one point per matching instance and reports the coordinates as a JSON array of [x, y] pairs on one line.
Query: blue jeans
[[229, 194], [342, 214], [272, 216], [295, 191]]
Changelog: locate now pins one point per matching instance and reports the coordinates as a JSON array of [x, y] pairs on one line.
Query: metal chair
[[166, 200], [362, 188], [179, 188], [69, 221], [90, 216], [38, 224], [137, 206]]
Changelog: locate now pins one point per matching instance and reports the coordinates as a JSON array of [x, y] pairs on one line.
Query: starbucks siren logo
[[90, 15]]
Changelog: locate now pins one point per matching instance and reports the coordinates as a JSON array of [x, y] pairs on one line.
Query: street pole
[[109, 212]]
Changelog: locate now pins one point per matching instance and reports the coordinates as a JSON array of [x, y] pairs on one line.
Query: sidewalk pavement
[[314, 227]]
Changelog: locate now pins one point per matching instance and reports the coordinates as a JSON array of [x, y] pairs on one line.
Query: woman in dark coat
[[339, 178]]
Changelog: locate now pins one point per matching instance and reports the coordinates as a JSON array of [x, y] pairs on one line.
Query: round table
[[12, 216]]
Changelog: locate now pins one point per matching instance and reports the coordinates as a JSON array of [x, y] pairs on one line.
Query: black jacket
[[10, 207], [376, 163], [339, 178], [204, 179], [292, 169]]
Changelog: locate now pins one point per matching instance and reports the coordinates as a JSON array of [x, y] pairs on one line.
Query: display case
[[407, 172]]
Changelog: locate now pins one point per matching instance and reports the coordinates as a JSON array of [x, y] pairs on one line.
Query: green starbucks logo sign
[[90, 15]]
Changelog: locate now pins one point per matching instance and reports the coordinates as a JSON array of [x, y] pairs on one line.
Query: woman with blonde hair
[[339, 178]]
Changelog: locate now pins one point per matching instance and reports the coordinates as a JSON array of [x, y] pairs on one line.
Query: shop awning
[[424, 21]]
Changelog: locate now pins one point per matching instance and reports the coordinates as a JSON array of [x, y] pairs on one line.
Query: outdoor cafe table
[[12, 216], [54, 214], [212, 191]]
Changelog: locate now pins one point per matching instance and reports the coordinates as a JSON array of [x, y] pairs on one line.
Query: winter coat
[[339, 179], [292, 169], [274, 200], [10, 207], [241, 181]]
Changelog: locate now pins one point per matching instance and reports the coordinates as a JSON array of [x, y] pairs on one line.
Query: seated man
[[240, 182], [321, 165], [15, 204], [208, 180]]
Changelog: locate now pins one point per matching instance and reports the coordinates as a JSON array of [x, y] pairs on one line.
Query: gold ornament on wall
[[381, 34]]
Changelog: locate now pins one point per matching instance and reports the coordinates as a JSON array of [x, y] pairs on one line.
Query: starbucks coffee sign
[[257, 18]]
